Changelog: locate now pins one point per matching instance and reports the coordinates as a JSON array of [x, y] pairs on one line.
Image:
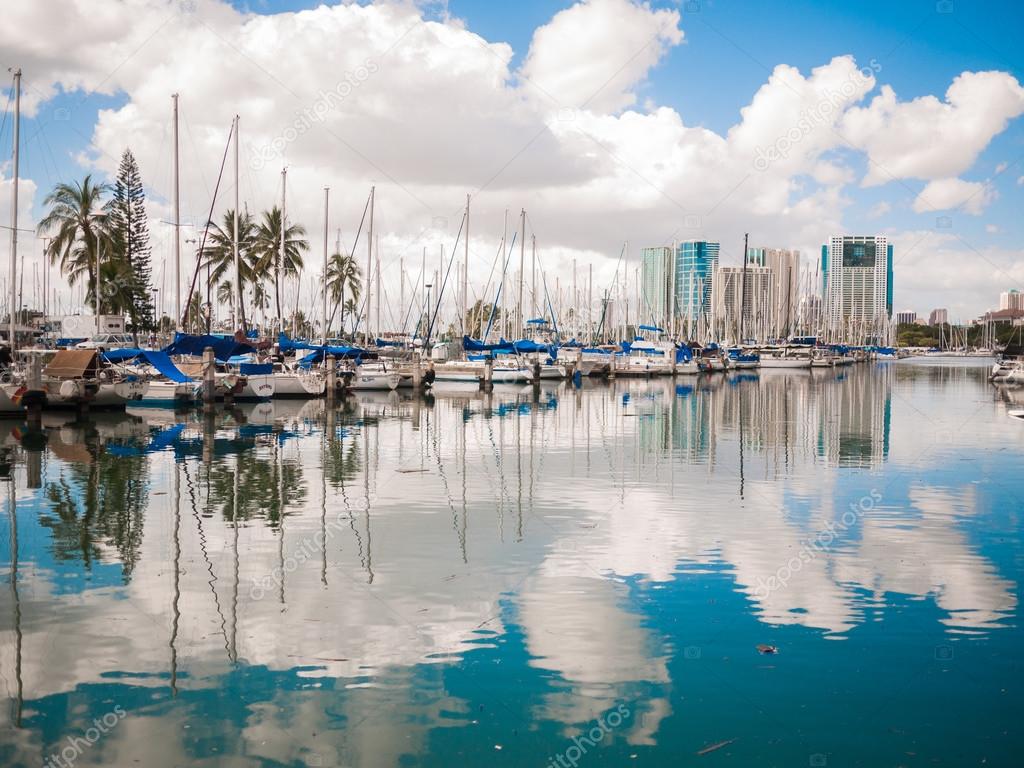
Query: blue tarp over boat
[[337, 351], [223, 348], [158, 359]]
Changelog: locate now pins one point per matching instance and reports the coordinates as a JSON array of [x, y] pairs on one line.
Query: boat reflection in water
[[474, 577]]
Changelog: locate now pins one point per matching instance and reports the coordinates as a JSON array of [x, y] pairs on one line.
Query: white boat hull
[[375, 381], [257, 388], [119, 393], [293, 384], [785, 362]]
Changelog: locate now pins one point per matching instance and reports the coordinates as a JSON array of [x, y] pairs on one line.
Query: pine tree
[[130, 228]]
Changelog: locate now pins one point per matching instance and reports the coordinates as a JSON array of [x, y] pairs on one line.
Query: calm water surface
[[566, 578]]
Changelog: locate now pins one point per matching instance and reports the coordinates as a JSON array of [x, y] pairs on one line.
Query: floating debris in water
[[716, 746]]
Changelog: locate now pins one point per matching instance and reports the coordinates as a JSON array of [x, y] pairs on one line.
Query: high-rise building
[[695, 265], [1011, 299], [785, 289], [755, 286], [906, 317], [938, 317], [857, 285], [656, 280]]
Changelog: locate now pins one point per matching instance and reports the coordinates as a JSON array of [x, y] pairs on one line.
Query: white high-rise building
[[1011, 299], [785, 294], [857, 286]]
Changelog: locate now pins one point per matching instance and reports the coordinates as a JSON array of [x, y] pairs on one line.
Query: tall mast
[[234, 241], [377, 273], [280, 264], [327, 194], [177, 215], [522, 266], [465, 274], [14, 211], [743, 290], [369, 270]]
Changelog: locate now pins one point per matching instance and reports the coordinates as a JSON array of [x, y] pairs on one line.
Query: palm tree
[[343, 276], [267, 251], [78, 221], [218, 256]]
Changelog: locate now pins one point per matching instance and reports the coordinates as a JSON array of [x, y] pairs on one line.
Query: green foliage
[[129, 230]]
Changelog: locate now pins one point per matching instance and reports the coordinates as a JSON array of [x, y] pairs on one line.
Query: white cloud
[[1001, 167], [879, 209], [992, 229], [930, 139], [947, 194], [594, 53]]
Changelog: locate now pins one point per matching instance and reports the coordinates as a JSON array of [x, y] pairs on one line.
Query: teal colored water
[[562, 578]]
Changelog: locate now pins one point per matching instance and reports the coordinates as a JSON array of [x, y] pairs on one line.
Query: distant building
[[938, 317], [785, 287], [731, 289], [1003, 316], [696, 261], [907, 317], [1011, 299], [656, 286], [857, 285]]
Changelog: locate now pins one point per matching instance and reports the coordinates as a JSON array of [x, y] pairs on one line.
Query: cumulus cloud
[[947, 194], [594, 53], [879, 209], [930, 139]]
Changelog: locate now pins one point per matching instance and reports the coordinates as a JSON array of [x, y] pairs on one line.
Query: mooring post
[[487, 382], [332, 379], [209, 379], [417, 373]]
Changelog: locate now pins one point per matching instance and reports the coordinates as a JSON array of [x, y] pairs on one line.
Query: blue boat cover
[[256, 369], [223, 348], [158, 359]]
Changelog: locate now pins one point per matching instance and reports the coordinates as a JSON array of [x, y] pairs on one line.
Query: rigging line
[[7, 108], [440, 292], [180, 311], [209, 563], [497, 298], [355, 243]]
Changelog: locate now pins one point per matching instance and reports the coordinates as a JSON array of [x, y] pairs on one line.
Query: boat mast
[[743, 291], [177, 214], [465, 274], [14, 210], [369, 270], [522, 266], [327, 194], [234, 242], [280, 267]]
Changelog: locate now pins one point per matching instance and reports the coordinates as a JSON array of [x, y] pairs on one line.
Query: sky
[[609, 121]]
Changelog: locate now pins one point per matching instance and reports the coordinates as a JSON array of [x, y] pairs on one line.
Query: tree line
[[98, 234]]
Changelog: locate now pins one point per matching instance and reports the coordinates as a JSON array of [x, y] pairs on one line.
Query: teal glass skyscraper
[[695, 265]]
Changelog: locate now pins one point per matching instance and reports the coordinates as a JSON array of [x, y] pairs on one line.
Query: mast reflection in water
[[468, 578]]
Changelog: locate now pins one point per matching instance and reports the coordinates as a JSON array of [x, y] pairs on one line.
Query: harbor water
[[784, 568]]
